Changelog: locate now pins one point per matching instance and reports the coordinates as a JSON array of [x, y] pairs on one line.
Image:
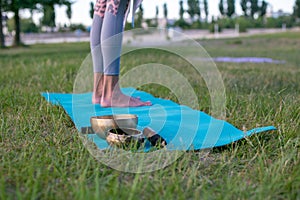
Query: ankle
[[97, 87], [110, 86]]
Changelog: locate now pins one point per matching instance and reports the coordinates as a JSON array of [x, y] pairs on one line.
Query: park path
[[157, 37]]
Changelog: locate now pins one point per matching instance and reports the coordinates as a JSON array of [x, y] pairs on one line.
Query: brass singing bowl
[[102, 124], [126, 138]]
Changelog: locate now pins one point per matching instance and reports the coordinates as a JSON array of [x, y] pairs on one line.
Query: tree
[[91, 10], [156, 15], [297, 9], [165, 11], [49, 15], [206, 10], [193, 9], [190, 9], [49, 11], [69, 11], [221, 7], [181, 10], [197, 9], [15, 9], [15, 6], [140, 17], [181, 22], [263, 8], [2, 37], [254, 7], [230, 8], [244, 7]]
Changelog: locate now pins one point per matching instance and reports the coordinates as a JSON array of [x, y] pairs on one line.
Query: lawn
[[42, 156]]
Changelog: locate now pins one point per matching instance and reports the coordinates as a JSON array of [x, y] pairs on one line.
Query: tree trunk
[[2, 42], [17, 39]]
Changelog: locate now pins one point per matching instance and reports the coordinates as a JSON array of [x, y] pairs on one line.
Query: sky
[[80, 9]]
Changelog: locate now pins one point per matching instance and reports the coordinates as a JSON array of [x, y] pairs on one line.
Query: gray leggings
[[106, 35]]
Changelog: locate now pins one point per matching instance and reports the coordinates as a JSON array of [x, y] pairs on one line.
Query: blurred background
[[49, 21]]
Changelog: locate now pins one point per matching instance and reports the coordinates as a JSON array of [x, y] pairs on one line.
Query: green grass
[[42, 156]]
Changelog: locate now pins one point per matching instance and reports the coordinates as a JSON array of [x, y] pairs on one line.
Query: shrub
[[244, 24], [27, 25], [277, 22], [182, 24], [212, 27], [74, 27]]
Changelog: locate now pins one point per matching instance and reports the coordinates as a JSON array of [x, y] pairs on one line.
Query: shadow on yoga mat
[[182, 127]]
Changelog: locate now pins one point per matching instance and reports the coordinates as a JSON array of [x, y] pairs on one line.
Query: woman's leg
[[96, 50], [111, 43]]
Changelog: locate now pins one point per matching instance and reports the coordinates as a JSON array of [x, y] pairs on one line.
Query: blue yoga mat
[[182, 127]]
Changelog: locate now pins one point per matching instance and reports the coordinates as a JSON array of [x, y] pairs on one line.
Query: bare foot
[[97, 89], [97, 99], [123, 101], [113, 97]]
